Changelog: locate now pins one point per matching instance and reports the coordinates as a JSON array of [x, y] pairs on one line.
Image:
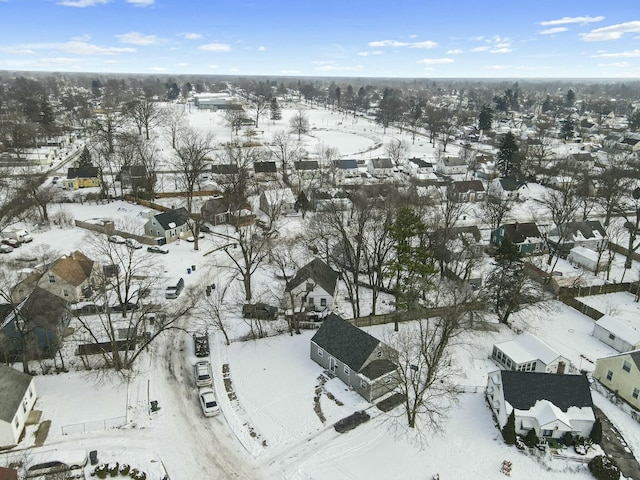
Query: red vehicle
[[11, 242]]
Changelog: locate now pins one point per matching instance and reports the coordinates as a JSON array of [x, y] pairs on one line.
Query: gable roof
[[264, 167], [224, 169], [520, 232], [318, 271], [464, 186], [345, 341], [74, 268], [509, 184], [82, 172], [619, 329], [172, 218], [634, 354], [306, 165], [421, 163], [523, 389], [348, 164], [526, 348], [587, 229], [453, 162], [13, 385], [382, 163]]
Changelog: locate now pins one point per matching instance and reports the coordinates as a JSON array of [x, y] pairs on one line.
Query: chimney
[[516, 226]]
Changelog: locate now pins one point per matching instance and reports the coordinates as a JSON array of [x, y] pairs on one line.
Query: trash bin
[[93, 457], [188, 271], [154, 406], [193, 268]]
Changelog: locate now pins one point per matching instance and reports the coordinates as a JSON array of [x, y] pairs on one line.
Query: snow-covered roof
[[527, 348], [619, 329], [585, 252]]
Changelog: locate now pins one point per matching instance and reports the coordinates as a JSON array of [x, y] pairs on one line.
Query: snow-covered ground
[[269, 427]]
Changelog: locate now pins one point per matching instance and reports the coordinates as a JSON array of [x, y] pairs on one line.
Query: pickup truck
[[201, 345]]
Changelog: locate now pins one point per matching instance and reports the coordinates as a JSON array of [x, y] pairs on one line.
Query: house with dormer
[[358, 359], [550, 404], [82, 177], [506, 188], [71, 277], [525, 236], [170, 225]]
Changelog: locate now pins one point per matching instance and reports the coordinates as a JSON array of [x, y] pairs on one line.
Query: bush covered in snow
[[603, 468]]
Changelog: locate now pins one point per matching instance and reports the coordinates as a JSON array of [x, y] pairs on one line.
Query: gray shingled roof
[[319, 272], [523, 389], [345, 341], [519, 232], [13, 385], [264, 167], [177, 217], [378, 368]]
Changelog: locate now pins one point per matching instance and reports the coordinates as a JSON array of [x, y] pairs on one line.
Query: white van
[[174, 289]]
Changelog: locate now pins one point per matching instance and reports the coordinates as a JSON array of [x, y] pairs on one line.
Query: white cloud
[[110, 60], [262, 48], [141, 3], [372, 52], [566, 20], [339, 68], [627, 54], [612, 32], [615, 64], [290, 72], [213, 67], [455, 51], [497, 67], [428, 44], [85, 37], [84, 48], [17, 50], [82, 3], [495, 44], [137, 38], [182, 64], [157, 69], [216, 47], [191, 35], [435, 61], [323, 62], [553, 31]]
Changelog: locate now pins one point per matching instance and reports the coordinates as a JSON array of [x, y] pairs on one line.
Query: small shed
[[586, 258], [617, 335], [527, 353]]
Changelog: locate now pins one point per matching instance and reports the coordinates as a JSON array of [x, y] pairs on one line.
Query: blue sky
[[348, 38]]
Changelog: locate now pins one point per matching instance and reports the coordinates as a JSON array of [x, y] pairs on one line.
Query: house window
[[17, 422], [547, 433], [379, 354], [323, 302], [65, 293], [635, 393], [347, 371], [52, 278], [320, 352], [387, 380], [30, 392], [612, 336], [363, 384], [310, 300], [609, 375], [626, 366]]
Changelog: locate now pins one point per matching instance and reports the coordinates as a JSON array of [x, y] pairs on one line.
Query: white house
[[313, 288], [616, 334], [451, 166], [170, 225], [380, 167], [527, 353], [420, 169], [279, 201], [17, 397], [505, 188], [548, 403]]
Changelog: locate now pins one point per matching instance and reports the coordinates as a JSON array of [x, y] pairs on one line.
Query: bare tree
[[426, 373], [260, 107], [396, 150], [213, 311], [145, 114], [285, 151], [174, 121], [493, 211], [446, 214], [299, 124], [233, 119], [191, 160], [629, 209]]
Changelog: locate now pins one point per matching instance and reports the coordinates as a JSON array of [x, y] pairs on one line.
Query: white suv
[[202, 371]]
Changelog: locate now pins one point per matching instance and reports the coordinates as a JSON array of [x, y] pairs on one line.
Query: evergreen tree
[[85, 159], [302, 203], [567, 130], [531, 439], [547, 105], [571, 98], [508, 160], [485, 118], [596, 431], [603, 468], [509, 430], [274, 107]]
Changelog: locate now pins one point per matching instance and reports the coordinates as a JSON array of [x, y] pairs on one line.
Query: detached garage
[[17, 397]]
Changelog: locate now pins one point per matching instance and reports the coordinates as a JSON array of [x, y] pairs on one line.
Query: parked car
[[54, 180], [202, 373], [116, 239], [12, 242], [192, 239], [131, 307], [201, 345], [133, 244], [208, 402], [261, 311], [157, 249], [5, 248]]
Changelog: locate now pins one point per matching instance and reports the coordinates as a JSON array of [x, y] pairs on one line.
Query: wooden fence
[[567, 295]]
